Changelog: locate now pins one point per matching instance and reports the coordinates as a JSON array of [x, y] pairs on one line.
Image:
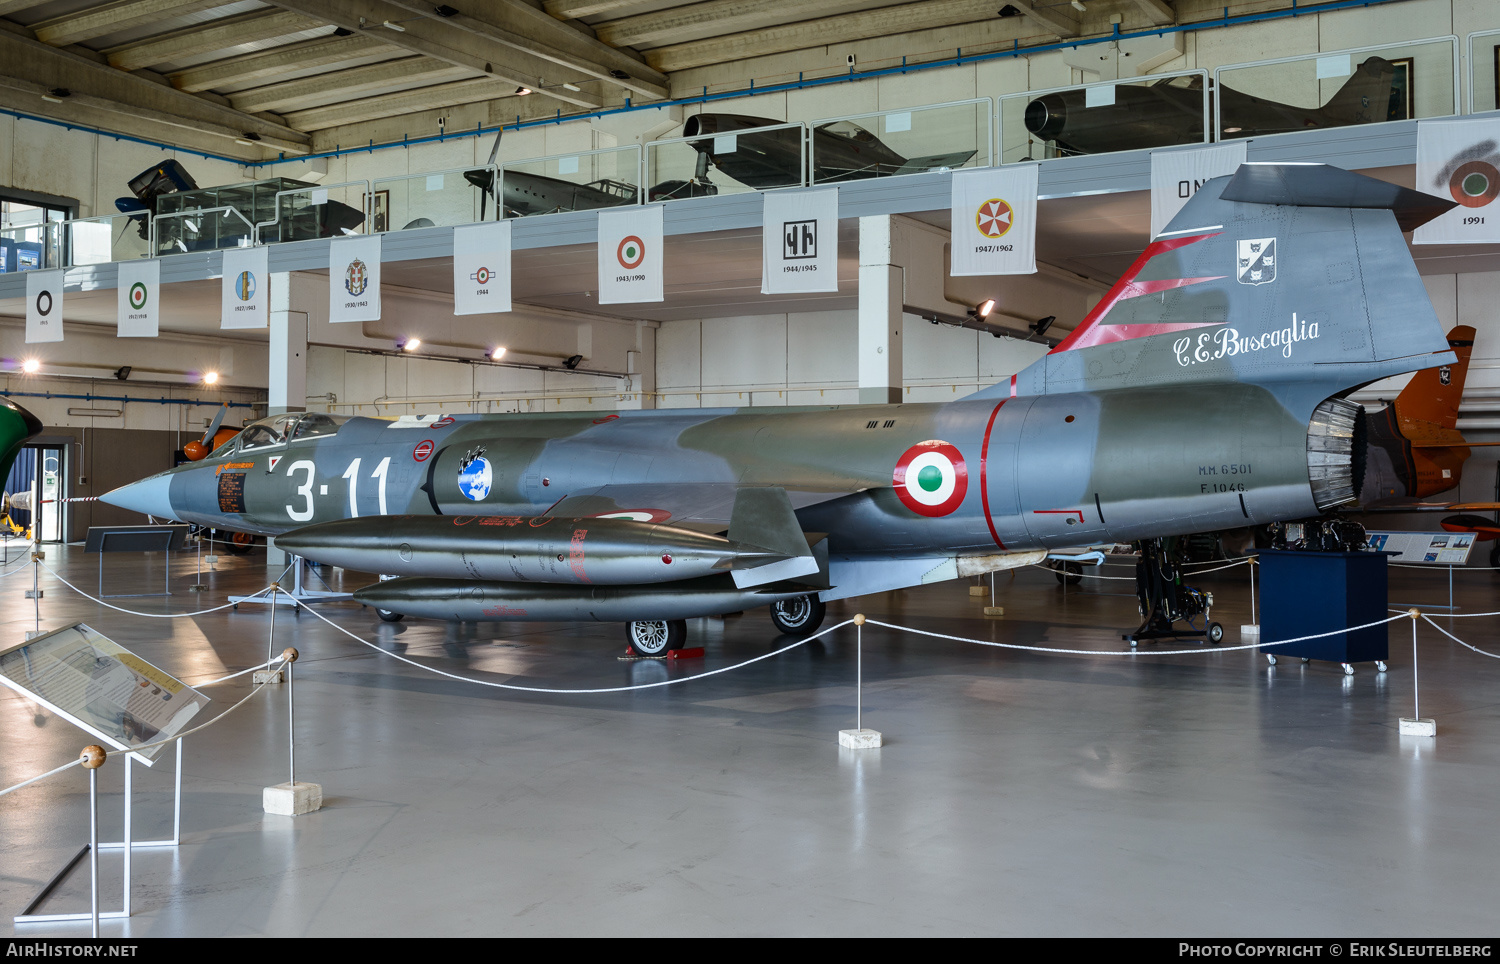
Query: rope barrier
[[604, 689], [176, 736], [1132, 652], [136, 612], [1456, 639]]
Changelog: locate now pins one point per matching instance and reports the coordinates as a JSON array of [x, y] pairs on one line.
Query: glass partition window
[[32, 235], [586, 181], [1131, 115], [725, 154], [902, 142], [444, 198], [1484, 71], [1340, 89]]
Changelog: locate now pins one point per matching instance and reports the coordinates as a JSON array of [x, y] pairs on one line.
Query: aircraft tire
[[1069, 573], [234, 543], [389, 616], [799, 616], [655, 637]]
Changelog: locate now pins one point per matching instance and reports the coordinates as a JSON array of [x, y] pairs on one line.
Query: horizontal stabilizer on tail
[[1323, 186]]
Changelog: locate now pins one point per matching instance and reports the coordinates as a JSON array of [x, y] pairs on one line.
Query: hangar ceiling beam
[[200, 39], [1053, 19], [573, 9], [389, 105], [440, 41], [1157, 11], [33, 67], [531, 31], [344, 85], [714, 19], [123, 15], [8, 7], [319, 52], [906, 18]]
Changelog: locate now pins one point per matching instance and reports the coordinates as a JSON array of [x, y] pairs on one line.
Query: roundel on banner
[[44, 303], [931, 478], [1474, 184], [137, 296], [483, 276], [631, 252], [994, 218]]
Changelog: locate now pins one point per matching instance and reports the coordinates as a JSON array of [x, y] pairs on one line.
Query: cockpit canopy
[[280, 429]]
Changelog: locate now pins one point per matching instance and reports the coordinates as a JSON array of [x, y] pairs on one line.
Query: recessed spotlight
[[498, 353]]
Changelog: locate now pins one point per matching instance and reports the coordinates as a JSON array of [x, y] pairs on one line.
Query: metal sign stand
[[94, 847], [152, 538], [297, 595]]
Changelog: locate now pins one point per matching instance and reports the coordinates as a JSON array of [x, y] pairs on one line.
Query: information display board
[[101, 687], [1425, 548]]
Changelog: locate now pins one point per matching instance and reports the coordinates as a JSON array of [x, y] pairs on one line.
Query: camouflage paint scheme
[[1201, 393]]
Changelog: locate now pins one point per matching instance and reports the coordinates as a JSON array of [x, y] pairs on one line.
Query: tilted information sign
[[1425, 548], [99, 686]]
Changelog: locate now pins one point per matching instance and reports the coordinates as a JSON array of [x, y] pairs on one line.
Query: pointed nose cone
[[150, 496]]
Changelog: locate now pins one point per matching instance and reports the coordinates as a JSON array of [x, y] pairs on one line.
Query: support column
[[286, 356], [881, 295], [287, 352]]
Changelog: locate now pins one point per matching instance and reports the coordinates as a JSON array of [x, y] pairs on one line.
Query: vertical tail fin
[[1433, 394], [1291, 276], [1365, 96]]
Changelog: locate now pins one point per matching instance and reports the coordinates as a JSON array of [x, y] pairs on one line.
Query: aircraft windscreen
[[847, 130], [267, 431], [315, 424], [227, 448]]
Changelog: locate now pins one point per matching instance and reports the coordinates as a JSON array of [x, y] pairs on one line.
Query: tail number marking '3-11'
[[305, 513]]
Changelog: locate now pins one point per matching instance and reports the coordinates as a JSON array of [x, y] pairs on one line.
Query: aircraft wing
[[917, 165], [1434, 507], [698, 505]]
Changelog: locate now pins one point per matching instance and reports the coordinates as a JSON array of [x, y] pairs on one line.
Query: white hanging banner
[[139, 288], [1460, 161], [44, 306], [630, 256], [354, 279], [245, 292], [1177, 175], [481, 268], [994, 221], [799, 241]]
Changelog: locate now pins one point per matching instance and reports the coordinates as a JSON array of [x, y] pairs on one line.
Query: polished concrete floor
[[1017, 793]]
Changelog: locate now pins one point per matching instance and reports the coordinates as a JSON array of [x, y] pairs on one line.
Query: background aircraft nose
[[149, 496]]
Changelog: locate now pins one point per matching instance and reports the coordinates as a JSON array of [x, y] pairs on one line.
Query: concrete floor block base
[[292, 799], [1423, 727], [859, 739], [978, 591], [994, 610], [1250, 632], [268, 676]]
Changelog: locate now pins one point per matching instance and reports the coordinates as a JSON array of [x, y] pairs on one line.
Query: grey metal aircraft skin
[[1204, 392], [1170, 111]]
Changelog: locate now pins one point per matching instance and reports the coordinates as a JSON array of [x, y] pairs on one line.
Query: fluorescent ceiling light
[[571, 87], [393, 25]]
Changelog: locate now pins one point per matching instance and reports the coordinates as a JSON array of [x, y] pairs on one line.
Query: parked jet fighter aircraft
[[1170, 111], [1205, 391], [841, 151]]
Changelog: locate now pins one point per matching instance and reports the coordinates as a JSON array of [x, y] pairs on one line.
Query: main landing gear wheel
[[389, 616], [800, 616], [1069, 573], [235, 543], [653, 637]]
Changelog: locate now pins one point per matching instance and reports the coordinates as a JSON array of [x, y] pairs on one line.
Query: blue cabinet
[[1302, 593]]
